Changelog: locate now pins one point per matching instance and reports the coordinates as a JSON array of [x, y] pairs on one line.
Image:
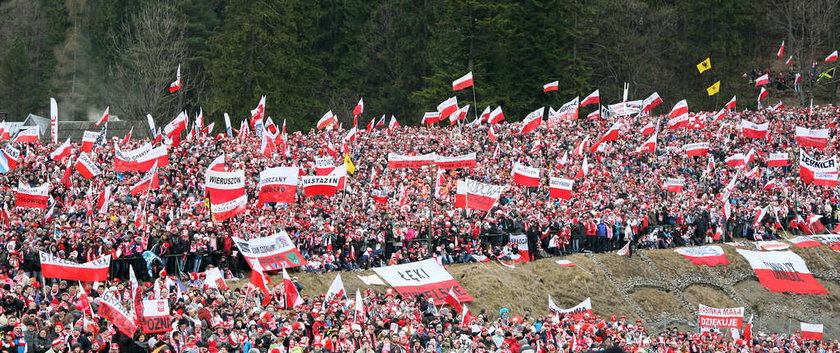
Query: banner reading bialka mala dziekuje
[[273, 252], [709, 317], [427, 277]]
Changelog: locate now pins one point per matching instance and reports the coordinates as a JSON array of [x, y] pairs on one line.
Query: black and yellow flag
[[713, 89], [704, 65], [827, 74]]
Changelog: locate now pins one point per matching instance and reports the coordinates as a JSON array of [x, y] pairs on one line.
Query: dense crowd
[[621, 199]]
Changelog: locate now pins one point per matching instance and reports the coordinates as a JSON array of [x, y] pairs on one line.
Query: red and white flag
[[567, 112], [719, 115], [762, 94], [359, 307], [157, 156], [174, 128], [711, 256], [551, 86], [4, 132], [753, 130], [397, 161], [431, 117], [735, 160], [261, 280], [762, 80], [270, 253], [29, 135], [335, 292], [675, 185], [782, 271], [532, 121], [579, 149], [781, 51], [88, 140], [592, 98], [496, 116], [103, 200], [127, 137], [291, 296], [86, 167], [825, 179], [456, 162], [61, 151], [327, 120], [696, 149], [278, 184], [33, 197], [752, 174], [565, 263], [463, 82], [485, 114], [812, 137], [678, 117], [427, 276], [811, 331], [360, 107], [326, 185], [649, 129], [731, 104], [452, 300], [491, 134], [104, 118], [324, 165], [112, 309], [54, 267], [226, 191], [651, 102], [476, 195], [649, 146], [125, 161], [12, 156], [176, 85], [770, 185], [778, 159], [560, 188], [53, 121], [610, 135], [810, 166], [526, 176], [149, 181], [831, 57], [447, 107], [804, 241], [584, 169]]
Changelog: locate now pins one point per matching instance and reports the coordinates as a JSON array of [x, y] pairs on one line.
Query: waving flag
[[327, 120], [831, 57], [463, 82], [176, 85], [782, 272], [762, 94], [278, 184], [648, 129], [649, 146], [781, 52], [810, 166], [678, 117], [812, 137], [86, 167], [560, 188], [61, 151], [704, 65], [104, 118], [496, 116], [532, 121], [568, 111], [731, 104], [95, 270], [33, 197], [704, 255], [551, 86], [149, 181], [29, 135], [696, 149], [811, 331], [326, 185], [674, 185], [789, 62], [447, 107], [713, 89], [610, 135], [525, 175], [762, 80], [455, 162], [651, 102], [360, 107], [476, 195], [336, 291], [226, 191], [396, 161], [112, 309], [753, 130], [592, 98]]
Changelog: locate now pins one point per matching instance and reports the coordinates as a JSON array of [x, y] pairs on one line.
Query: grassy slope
[[662, 287]]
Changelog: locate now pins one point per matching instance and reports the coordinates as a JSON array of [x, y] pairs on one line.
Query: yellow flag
[[351, 168], [704, 65], [713, 89]]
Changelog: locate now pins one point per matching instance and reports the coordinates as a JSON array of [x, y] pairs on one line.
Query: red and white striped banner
[[809, 166], [805, 241], [674, 185], [86, 167], [753, 130], [427, 277], [88, 139], [576, 312], [227, 193], [696, 149], [319, 185], [811, 331], [711, 256], [324, 165], [112, 309], [278, 184], [54, 267], [125, 161], [778, 159]]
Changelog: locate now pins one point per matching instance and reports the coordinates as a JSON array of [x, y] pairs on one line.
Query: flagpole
[[475, 102]]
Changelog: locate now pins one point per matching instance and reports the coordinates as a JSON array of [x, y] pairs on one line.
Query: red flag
[[831, 57], [762, 94], [261, 280], [452, 300], [731, 104]]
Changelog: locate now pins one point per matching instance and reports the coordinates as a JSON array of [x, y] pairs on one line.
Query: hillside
[[657, 286]]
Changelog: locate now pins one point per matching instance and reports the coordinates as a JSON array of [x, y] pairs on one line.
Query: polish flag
[[678, 117], [778, 159], [611, 135], [770, 185], [398, 161], [809, 166], [731, 104], [762, 80], [12, 156], [805, 241], [431, 118], [532, 121], [825, 179], [649, 129], [335, 291], [696, 149], [551, 86], [327, 120], [104, 118], [565, 263], [358, 307], [463, 82], [103, 200], [782, 272], [762, 94], [447, 107], [33, 197], [811, 331], [797, 78], [360, 107], [320, 185], [62, 151], [719, 115], [4, 132], [485, 114], [651, 102], [176, 85], [675, 185], [88, 140], [649, 146], [491, 134], [393, 124], [157, 156], [452, 300], [711, 255], [226, 191], [789, 61], [781, 51], [812, 137], [471, 194], [584, 169], [127, 137], [753, 130], [735, 160], [752, 174], [460, 114], [579, 149], [291, 296], [592, 98], [260, 280], [30, 135], [86, 167], [496, 116], [149, 181], [526, 176], [379, 123], [562, 162], [595, 114], [831, 57], [95, 270], [278, 184], [560, 188]]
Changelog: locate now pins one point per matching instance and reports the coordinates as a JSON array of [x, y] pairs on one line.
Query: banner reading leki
[[425, 277]]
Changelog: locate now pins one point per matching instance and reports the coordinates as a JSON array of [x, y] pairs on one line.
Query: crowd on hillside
[[621, 199]]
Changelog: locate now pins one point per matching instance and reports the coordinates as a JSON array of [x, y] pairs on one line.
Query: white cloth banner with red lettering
[[709, 317], [397, 161], [782, 272], [112, 309], [32, 197], [278, 184], [54, 267], [227, 193], [273, 252], [576, 312], [427, 277], [455, 162], [476, 195]]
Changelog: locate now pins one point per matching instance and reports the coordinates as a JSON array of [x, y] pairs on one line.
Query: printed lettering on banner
[[427, 277], [709, 317], [273, 252]]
